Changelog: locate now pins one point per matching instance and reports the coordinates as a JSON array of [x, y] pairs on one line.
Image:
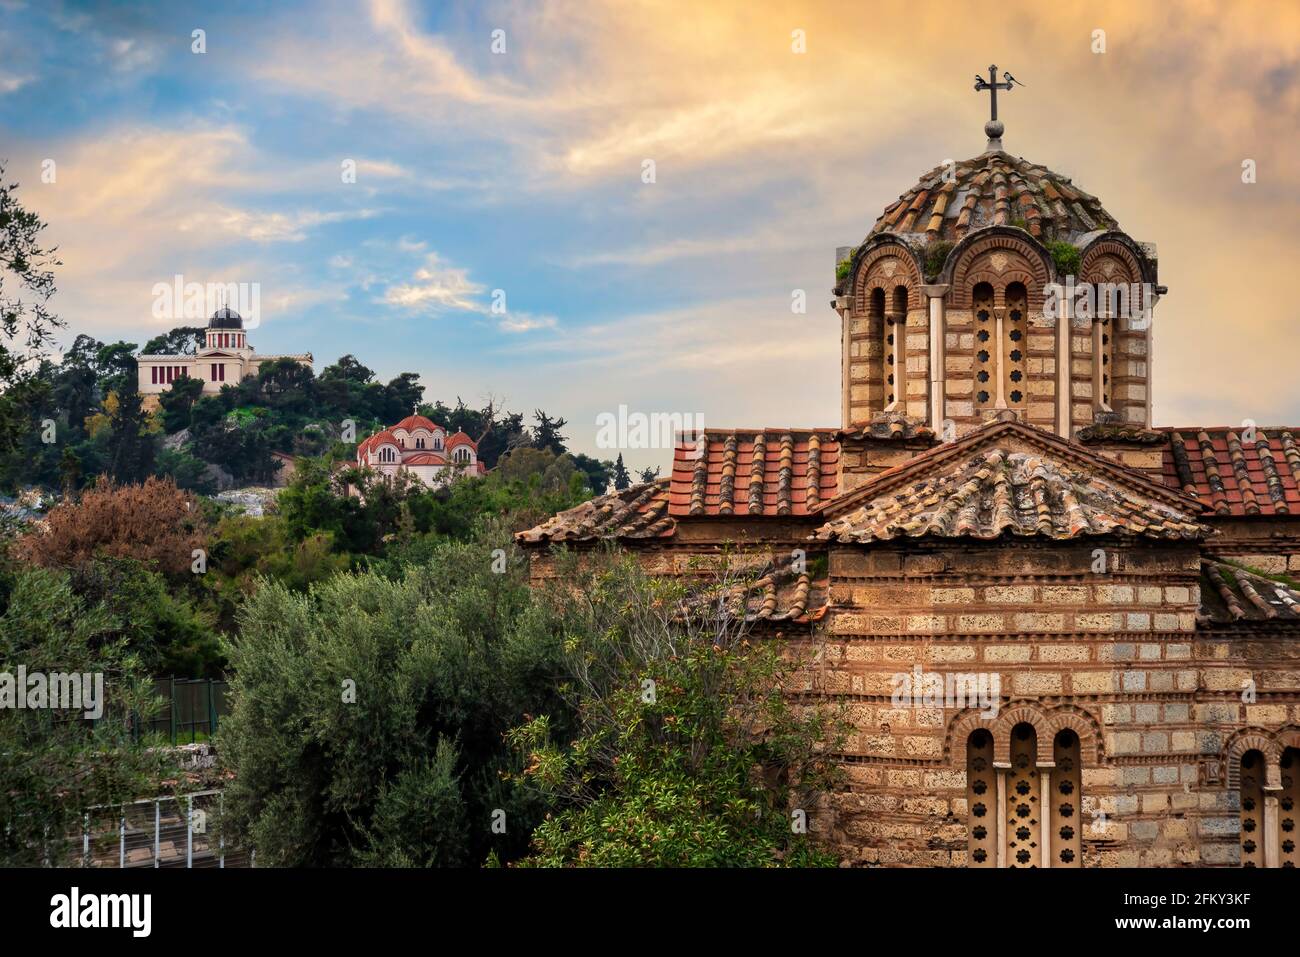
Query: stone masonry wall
[[1113, 655]]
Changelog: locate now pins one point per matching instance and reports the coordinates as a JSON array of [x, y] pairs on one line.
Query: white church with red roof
[[423, 448]]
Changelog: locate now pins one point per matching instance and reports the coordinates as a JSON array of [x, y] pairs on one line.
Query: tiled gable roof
[[1022, 493], [994, 189], [1231, 595], [754, 472], [777, 590], [424, 458], [1232, 476], [640, 511]]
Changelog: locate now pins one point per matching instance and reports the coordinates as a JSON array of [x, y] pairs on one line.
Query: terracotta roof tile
[[754, 472], [640, 511], [772, 589], [1232, 475], [998, 492], [1231, 594], [995, 188]]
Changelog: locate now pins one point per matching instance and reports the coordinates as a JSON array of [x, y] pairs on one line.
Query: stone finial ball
[[993, 129]]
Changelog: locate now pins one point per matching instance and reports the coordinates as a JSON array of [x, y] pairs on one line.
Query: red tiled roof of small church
[[424, 458], [754, 472], [459, 439], [416, 422], [1232, 476]]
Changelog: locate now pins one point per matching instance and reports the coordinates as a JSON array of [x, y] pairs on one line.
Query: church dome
[[225, 318], [994, 189]]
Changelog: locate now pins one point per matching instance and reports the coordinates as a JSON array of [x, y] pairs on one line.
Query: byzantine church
[[997, 505]]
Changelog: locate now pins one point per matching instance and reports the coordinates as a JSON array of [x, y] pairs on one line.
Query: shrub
[[688, 752], [152, 522], [1066, 256]]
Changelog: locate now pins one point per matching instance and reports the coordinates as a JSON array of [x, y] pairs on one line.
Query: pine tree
[[622, 479], [130, 446]]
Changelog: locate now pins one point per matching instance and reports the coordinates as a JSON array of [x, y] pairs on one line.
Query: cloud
[[436, 287], [271, 227], [12, 82]]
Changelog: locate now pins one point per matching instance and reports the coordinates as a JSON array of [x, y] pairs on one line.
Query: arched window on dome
[[1066, 802], [981, 801], [896, 349], [986, 346], [1024, 809], [1252, 809], [1112, 302], [419, 441], [461, 455], [1015, 340], [876, 321]]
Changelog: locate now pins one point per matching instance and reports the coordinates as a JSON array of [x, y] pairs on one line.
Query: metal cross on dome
[[993, 128]]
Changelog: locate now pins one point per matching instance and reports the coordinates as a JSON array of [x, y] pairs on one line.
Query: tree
[[598, 472], [622, 479], [152, 522], [688, 752], [27, 325], [546, 434], [53, 770], [177, 401], [117, 367], [348, 369], [649, 474], [181, 341], [130, 444], [368, 714]]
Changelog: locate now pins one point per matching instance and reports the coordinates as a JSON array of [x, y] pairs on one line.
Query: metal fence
[[191, 712], [159, 832]]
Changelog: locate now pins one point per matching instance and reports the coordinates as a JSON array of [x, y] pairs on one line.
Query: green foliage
[[1066, 256], [177, 401], [27, 325], [165, 628], [443, 659], [688, 754], [936, 255], [843, 268], [54, 764], [622, 479]]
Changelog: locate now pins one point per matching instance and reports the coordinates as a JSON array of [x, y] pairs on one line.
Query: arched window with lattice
[[877, 322], [1015, 340], [981, 800], [1289, 809], [1024, 811], [1066, 801], [1252, 809], [895, 348], [986, 346]]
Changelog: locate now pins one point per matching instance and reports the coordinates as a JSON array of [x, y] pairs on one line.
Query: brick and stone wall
[[1113, 655]]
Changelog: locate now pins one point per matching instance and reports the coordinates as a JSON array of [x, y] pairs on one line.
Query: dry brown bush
[[151, 522]]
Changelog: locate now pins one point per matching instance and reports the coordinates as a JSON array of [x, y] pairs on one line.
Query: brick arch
[[1249, 739], [1023, 713], [1125, 273], [1123, 248], [1036, 263], [1288, 737], [909, 277], [960, 728], [1000, 280], [1085, 725]]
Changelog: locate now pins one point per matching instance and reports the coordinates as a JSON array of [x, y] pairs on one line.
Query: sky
[[501, 238]]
